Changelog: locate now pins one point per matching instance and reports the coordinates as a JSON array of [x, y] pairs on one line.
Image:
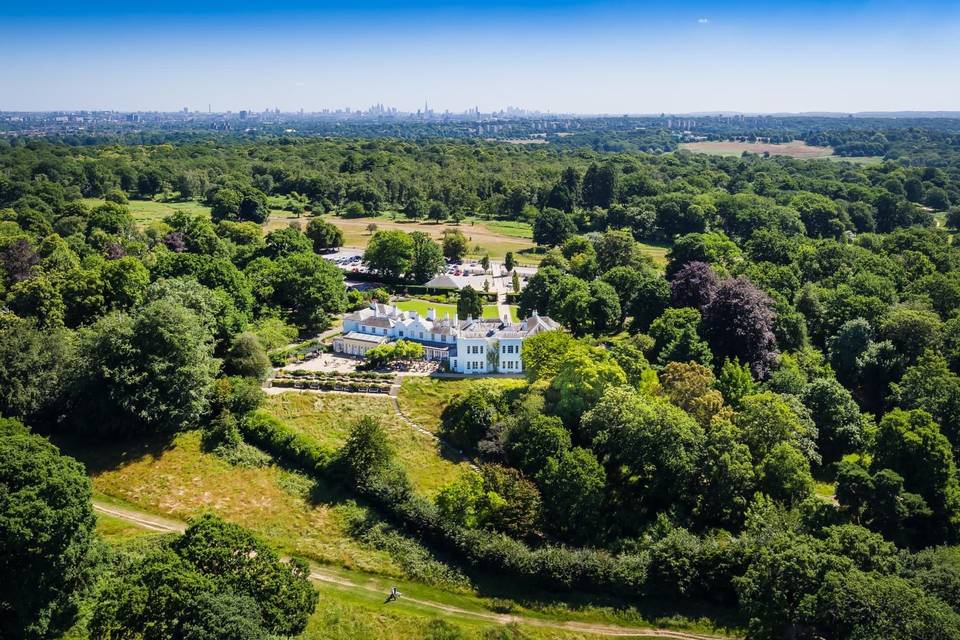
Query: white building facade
[[472, 346]]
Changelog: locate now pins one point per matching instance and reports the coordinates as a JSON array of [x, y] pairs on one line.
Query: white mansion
[[485, 345]]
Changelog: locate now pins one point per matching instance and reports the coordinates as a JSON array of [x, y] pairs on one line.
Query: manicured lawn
[[423, 399], [294, 513], [329, 417], [512, 228], [422, 306]]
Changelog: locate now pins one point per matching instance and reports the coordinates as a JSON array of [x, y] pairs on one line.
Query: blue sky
[[587, 57]]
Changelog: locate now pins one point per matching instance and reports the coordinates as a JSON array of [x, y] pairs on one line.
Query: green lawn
[[422, 306], [423, 399], [145, 211], [328, 418], [510, 228]]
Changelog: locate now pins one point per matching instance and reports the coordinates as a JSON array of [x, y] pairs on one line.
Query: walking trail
[[156, 523]]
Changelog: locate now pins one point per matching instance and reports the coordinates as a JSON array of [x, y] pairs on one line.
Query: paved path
[[162, 524]]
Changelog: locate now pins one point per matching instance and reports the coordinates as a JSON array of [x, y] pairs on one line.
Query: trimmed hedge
[[272, 435], [419, 289]]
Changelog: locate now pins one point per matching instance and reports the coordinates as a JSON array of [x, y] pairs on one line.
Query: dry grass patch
[[795, 149], [328, 417], [179, 480], [490, 242]]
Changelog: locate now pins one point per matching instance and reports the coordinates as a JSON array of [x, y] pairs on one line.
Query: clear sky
[[585, 56]]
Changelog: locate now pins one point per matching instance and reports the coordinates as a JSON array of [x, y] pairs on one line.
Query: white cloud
[[300, 84], [703, 20]]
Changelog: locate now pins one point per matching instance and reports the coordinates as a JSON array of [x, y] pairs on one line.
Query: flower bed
[[350, 376], [355, 381], [332, 384]]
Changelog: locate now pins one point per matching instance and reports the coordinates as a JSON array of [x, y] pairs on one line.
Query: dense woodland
[[677, 437]]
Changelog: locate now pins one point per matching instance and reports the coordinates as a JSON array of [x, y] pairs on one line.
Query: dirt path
[[166, 525]]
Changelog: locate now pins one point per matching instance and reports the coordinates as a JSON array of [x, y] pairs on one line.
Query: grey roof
[[377, 321], [445, 281], [365, 337], [387, 316]]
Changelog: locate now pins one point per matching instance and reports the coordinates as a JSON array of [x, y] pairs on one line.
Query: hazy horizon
[[565, 57]]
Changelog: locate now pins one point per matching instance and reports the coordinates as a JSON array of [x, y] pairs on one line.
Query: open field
[[328, 418], [795, 149], [146, 211], [423, 399], [482, 240], [513, 228], [296, 514]]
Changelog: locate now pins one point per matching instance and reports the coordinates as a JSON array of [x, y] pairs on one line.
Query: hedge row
[[549, 566], [282, 442], [663, 569], [331, 385]]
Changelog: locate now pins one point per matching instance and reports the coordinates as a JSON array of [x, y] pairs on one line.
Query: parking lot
[[351, 261]]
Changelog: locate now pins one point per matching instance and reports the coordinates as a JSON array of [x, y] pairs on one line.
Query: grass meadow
[[423, 399], [298, 515], [328, 417]]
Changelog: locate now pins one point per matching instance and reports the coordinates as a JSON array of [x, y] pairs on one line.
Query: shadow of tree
[[100, 454]]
